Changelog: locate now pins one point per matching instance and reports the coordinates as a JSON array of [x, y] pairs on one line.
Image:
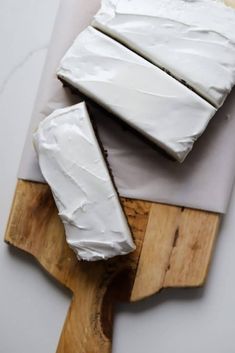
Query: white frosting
[[145, 97], [193, 39], [73, 165]]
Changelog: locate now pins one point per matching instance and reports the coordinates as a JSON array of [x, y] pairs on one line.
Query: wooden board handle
[[35, 227], [89, 322], [174, 247], [85, 329]]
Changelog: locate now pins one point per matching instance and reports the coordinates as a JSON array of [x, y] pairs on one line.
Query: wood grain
[[177, 249], [35, 227], [174, 248], [230, 3]]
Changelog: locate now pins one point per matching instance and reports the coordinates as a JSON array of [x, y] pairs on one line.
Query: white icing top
[[73, 165], [193, 39], [149, 100]]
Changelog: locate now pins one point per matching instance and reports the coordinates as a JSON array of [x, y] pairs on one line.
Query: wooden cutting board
[[174, 248]]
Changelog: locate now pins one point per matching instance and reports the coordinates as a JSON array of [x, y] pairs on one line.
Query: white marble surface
[[32, 306]]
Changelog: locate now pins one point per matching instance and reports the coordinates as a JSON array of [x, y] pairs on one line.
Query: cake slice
[[193, 40], [145, 97], [72, 163]]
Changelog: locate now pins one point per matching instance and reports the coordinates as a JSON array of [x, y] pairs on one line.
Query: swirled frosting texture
[[73, 165], [193, 40], [144, 96]]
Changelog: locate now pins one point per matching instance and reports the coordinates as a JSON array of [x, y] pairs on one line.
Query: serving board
[[174, 249]]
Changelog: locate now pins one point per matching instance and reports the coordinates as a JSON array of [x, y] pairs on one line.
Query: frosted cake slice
[[145, 97], [72, 163], [193, 40]]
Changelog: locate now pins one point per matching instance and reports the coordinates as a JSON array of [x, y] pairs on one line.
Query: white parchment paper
[[203, 181]]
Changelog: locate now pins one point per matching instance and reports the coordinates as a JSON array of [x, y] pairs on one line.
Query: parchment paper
[[203, 181]]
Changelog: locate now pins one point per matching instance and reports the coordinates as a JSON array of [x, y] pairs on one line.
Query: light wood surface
[[230, 3], [174, 248]]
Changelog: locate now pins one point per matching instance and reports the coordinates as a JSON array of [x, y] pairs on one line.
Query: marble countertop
[[32, 306]]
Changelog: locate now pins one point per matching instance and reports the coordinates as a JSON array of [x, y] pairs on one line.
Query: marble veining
[[20, 65]]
